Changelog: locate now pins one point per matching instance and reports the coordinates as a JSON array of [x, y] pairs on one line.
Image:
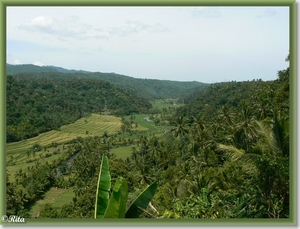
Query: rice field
[[88, 126], [93, 125]]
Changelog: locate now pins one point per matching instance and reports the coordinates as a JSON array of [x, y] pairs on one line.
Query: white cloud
[[69, 27], [267, 13], [38, 23], [16, 62], [157, 28], [131, 27], [37, 63], [205, 12], [72, 28]]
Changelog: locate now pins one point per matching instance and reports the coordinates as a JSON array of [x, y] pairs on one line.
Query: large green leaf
[[117, 203], [141, 202], [103, 187]]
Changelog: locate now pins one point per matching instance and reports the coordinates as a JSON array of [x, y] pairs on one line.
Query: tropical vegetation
[[224, 153]]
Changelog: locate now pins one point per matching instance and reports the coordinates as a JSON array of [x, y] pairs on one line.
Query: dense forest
[[30, 68], [37, 105], [224, 154], [146, 88]]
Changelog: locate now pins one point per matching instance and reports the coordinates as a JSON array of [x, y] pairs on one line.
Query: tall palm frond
[[274, 139], [247, 160], [268, 142]]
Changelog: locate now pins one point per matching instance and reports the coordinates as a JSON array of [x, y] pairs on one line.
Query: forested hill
[[30, 68], [150, 88], [147, 88], [225, 101], [36, 105]]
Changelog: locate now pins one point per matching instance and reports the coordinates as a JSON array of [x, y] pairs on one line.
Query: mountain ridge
[[147, 88]]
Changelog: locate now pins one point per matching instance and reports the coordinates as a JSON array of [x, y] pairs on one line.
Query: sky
[[205, 44]]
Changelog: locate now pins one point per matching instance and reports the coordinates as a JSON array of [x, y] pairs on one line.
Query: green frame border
[[155, 222]]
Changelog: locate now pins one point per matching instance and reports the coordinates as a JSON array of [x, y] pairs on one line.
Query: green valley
[[214, 151]]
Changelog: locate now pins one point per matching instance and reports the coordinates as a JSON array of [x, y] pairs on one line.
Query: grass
[[160, 104], [122, 152], [143, 125], [57, 197]]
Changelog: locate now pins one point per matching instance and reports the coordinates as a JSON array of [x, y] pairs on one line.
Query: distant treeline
[[147, 88]]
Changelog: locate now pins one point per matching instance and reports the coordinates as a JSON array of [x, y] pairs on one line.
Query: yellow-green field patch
[[94, 125], [44, 139], [122, 152], [55, 196], [88, 126]]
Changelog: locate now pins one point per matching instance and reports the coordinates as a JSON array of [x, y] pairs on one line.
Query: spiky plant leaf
[[117, 203], [141, 202], [103, 187]]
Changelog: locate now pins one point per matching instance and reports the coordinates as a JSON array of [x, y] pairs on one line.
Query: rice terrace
[[181, 135]]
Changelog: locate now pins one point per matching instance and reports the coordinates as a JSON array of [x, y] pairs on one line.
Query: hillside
[[147, 88], [30, 68], [226, 154], [36, 105], [225, 98]]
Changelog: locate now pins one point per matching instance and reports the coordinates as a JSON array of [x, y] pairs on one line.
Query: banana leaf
[[117, 203], [141, 202], [103, 187]]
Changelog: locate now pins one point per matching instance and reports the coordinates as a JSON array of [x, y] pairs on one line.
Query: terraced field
[[93, 125], [88, 126]]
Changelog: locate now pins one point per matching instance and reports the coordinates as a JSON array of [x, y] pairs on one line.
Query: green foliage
[[36, 104], [48, 212], [29, 186], [146, 88], [141, 202], [116, 205], [225, 154], [103, 188]]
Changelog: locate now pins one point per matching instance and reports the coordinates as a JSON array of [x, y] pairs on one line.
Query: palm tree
[[180, 129], [226, 114], [273, 136], [198, 124], [263, 108], [273, 166], [203, 178], [245, 130], [155, 149]]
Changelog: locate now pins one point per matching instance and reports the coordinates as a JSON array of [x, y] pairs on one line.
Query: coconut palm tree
[[198, 124], [245, 130], [155, 149], [180, 129], [226, 114]]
